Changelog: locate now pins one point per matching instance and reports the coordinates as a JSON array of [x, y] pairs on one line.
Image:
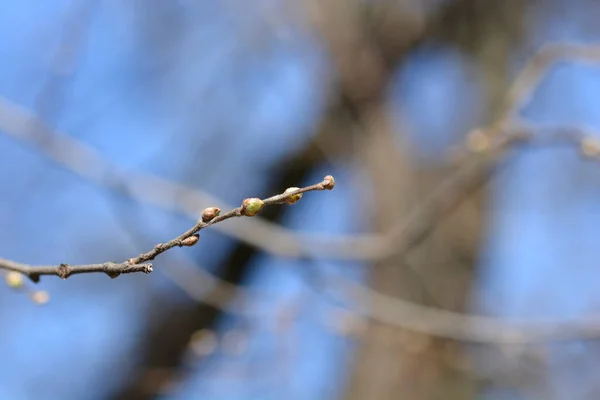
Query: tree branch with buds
[[210, 216]]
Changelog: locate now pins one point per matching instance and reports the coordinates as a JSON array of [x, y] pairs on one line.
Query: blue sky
[[219, 116]]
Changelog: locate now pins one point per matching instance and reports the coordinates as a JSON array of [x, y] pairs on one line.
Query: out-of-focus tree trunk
[[392, 363]]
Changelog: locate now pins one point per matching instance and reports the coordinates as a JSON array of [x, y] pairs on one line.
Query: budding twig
[[210, 216]]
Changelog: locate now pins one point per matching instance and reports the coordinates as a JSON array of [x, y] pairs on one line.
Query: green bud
[[14, 279], [293, 198], [251, 207]]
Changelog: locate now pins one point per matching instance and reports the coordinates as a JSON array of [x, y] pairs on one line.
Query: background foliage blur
[[237, 98]]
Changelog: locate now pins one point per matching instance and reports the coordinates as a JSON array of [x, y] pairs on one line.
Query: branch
[[437, 322], [210, 216], [536, 67], [65, 270], [250, 207]]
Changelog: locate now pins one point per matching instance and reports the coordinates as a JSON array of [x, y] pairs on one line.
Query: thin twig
[[112, 269], [140, 262]]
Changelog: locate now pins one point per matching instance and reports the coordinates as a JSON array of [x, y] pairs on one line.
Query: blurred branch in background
[[484, 149], [363, 84]]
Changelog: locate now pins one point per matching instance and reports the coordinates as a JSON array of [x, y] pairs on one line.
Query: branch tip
[[328, 182]]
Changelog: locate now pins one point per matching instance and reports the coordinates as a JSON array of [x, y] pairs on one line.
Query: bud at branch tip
[[328, 182]]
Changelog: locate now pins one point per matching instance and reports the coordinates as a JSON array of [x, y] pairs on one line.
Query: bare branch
[[236, 212]]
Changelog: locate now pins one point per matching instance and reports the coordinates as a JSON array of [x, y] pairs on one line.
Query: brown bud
[[251, 207], [293, 198], [190, 241], [113, 274], [63, 271], [328, 182], [210, 213]]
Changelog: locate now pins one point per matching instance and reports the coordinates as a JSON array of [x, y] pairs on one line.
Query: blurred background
[[425, 273]]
